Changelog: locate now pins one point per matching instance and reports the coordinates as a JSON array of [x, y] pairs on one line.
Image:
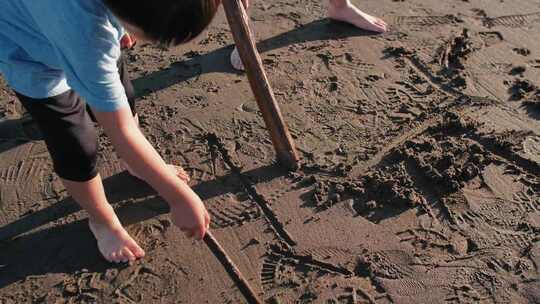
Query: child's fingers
[[181, 173], [206, 220], [201, 231]]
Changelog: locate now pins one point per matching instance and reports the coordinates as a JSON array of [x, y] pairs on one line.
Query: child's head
[[170, 22]]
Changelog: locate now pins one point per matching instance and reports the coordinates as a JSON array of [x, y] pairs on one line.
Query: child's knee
[[76, 160]]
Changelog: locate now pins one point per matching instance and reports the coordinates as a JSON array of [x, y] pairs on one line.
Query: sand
[[420, 175]]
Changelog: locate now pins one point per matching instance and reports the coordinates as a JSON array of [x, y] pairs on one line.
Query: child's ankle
[[110, 220], [339, 4]]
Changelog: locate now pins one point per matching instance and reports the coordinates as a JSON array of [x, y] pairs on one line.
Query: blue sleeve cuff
[[109, 105]]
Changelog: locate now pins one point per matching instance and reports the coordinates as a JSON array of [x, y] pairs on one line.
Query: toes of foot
[[128, 255], [137, 251], [381, 23], [379, 27], [112, 257], [118, 257]]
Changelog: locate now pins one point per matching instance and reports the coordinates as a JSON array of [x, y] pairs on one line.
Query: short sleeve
[[87, 46]]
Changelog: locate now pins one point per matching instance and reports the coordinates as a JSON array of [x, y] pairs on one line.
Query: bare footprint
[[114, 243]]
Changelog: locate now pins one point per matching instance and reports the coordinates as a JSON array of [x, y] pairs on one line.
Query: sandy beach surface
[[420, 178]]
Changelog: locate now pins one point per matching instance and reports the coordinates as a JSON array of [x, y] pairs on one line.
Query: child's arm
[[187, 209]]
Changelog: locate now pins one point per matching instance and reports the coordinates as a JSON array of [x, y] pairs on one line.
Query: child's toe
[[380, 26], [137, 251], [123, 255], [120, 256], [129, 256], [112, 257], [108, 258]]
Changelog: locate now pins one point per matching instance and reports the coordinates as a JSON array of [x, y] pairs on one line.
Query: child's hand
[[187, 209], [191, 216]]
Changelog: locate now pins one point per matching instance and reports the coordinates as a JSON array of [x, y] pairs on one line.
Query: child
[[341, 10], [61, 55]]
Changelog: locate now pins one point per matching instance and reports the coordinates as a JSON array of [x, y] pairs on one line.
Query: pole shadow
[[27, 248], [532, 109], [20, 131], [217, 61]]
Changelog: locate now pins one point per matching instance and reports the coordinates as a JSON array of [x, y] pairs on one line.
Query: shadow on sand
[[71, 247], [20, 131], [217, 61]]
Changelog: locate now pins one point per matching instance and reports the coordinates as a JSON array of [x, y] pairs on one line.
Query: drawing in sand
[[419, 155]]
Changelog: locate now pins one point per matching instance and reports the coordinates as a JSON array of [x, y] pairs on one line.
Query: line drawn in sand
[[426, 20], [22, 172], [407, 279], [285, 272], [513, 21]]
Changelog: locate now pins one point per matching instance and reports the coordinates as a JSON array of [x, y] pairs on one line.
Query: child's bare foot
[[177, 170], [350, 14], [114, 242]]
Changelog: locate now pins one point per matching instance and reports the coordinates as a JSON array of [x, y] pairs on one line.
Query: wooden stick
[[233, 271], [279, 133]]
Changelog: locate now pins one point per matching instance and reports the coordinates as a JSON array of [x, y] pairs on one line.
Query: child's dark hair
[[169, 22]]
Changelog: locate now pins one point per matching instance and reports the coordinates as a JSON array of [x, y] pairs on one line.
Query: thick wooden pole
[[233, 271], [281, 138]]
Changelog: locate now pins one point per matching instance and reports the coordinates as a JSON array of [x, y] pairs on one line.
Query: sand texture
[[420, 177]]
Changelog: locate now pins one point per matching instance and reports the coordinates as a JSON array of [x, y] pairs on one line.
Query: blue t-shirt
[[48, 47]]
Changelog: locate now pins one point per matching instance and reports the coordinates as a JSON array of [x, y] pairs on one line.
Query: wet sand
[[420, 175]]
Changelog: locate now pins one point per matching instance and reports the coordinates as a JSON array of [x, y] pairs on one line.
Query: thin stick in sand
[[229, 266]]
